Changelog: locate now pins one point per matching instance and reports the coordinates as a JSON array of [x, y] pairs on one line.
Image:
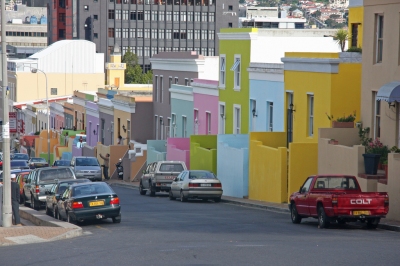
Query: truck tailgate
[[166, 177], [366, 203]]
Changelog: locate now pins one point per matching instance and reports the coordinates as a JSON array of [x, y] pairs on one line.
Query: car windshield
[[87, 162], [336, 182], [38, 160], [201, 175], [62, 163], [55, 173], [91, 189], [171, 167], [18, 163], [20, 157]]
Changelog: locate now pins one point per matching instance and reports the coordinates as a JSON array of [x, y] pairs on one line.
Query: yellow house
[[356, 19]]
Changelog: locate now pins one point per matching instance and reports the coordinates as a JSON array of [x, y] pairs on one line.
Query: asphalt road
[[157, 231]]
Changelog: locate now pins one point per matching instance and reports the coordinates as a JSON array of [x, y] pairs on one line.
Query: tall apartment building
[[146, 27]]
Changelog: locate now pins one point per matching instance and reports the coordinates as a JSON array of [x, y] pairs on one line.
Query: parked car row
[[67, 198], [174, 178]]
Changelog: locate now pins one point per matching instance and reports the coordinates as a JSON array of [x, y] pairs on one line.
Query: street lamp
[[35, 70]]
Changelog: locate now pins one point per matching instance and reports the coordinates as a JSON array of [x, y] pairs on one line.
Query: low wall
[[203, 152], [233, 164], [156, 151], [393, 186], [267, 173], [178, 149], [303, 162]]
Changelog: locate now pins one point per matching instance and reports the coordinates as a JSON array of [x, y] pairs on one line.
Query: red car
[[337, 198]]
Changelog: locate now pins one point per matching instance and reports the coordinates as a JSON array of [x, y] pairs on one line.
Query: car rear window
[[63, 163], [38, 160], [18, 163], [21, 157], [57, 173], [171, 167], [201, 175], [91, 189], [335, 183]]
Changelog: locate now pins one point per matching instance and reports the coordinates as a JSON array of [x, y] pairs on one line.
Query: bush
[[355, 49]]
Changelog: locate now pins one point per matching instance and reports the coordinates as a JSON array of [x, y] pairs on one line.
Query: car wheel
[[171, 196], [217, 199], [322, 218], [34, 204], [183, 198], [296, 218], [69, 219], [373, 223], [152, 191], [141, 190], [117, 219]]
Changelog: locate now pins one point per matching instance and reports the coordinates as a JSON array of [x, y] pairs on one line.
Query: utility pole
[[7, 211]]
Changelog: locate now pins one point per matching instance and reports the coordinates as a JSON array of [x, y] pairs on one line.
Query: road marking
[[98, 226]]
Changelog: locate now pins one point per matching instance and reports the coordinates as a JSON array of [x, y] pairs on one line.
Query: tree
[[133, 72], [316, 14], [334, 16], [341, 37]]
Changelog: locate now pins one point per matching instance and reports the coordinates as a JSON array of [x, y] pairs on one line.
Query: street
[[157, 231]]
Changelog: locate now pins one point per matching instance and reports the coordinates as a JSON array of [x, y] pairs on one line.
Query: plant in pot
[[375, 152], [344, 121]]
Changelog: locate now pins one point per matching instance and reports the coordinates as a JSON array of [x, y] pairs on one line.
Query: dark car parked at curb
[[89, 201], [42, 179], [57, 190], [62, 163], [19, 164], [37, 162]]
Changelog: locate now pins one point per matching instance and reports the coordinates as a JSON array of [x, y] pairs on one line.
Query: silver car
[[86, 167], [196, 184]]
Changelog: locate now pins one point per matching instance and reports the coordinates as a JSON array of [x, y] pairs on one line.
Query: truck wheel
[[35, 205], [322, 218], [183, 198], [373, 223], [296, 218], [141, 190], [171, 196], [152, 191]]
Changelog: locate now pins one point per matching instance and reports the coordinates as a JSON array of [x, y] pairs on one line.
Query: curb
[[40, 219], [254, 205], [123, 185], [389, 227]]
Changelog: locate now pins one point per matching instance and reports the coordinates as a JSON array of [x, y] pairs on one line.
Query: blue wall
[[233, 164], [156, 151], [267, 91], [181, 108]]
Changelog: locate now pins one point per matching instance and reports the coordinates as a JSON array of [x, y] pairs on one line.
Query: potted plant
[[375, 152], [343, 122], [333, 142]]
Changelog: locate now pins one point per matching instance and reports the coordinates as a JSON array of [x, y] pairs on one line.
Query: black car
[[62, 163], [37, 162], [19, 164], [20, 156], [89, 201], [57, 190]]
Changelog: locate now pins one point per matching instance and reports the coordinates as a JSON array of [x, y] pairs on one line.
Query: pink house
[[205, 102]]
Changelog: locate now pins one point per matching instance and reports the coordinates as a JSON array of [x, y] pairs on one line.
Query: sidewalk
[[386, 224]]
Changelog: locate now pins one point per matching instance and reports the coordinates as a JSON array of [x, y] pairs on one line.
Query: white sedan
[[196, 184]]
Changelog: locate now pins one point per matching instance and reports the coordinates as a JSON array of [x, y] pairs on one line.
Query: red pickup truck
[[338, 198]]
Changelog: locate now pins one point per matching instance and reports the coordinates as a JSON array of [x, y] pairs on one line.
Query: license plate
[[361, 213], [39, 164], [205, 185], [96, 203], [169, 177]]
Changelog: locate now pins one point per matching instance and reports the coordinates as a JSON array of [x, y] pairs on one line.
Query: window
[[208, 123], [211, 35], [168, 34], [125, 15], [118, 14], [211, 17], [146, 15], [86, 8], [236, 119], [125, 33], [168, 16], [147, 33], [176, 80], [183, 16], [111, 14], [204, 34], [161, 89], [117, 33], [156, 88], [190, 16], [154, 33], [270, 116], [197, 34], [222, 68], [377, 118], [95, 17], [53, 91], [236, 69], [196, 16], [230, 25], [230, 8], [310, 115], [184, 124], [176, 35], [156, 126], [173, 128], [189, 34], [379, 38], [354, 34], [111, 32], [204, 17]]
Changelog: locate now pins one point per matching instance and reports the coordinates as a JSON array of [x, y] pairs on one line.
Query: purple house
[[205, 104], [92, 123]]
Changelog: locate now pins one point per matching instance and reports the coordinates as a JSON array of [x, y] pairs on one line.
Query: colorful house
[[92, 123], [181, 111], [356, 19]]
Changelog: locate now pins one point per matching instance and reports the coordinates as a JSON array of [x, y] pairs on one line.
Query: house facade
[[92, 123], [106, 119]]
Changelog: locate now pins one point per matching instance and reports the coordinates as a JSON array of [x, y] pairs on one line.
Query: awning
[[389, 92], [235, 65]]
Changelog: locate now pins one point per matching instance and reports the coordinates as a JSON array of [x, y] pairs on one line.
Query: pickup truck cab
[[331, 198], [158, 176]]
